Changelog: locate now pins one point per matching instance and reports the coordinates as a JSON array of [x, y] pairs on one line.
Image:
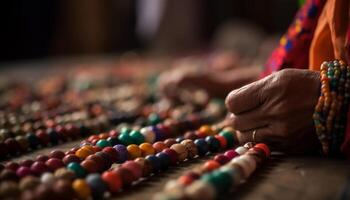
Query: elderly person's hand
[[279, 108]]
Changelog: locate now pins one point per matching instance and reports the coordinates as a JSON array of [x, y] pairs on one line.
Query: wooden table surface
[[281, 177]]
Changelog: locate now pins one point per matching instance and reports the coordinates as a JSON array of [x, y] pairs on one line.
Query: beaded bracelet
[[331, 109], [217, 176]]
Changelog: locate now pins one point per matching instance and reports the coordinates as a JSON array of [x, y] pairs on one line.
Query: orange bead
[[83, 153], [147, 149], [103, 135], [211, 165], [185, 180], [207, 130], [81, 188], [113, 181], [264, 147], [159, 146], [134, 151]]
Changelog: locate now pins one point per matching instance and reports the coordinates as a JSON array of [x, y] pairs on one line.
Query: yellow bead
[[147, 149], [81, 188], [134, 151], [83, 152]]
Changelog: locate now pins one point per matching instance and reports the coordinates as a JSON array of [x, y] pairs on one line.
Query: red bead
[[90, 166], [169, 142], [134, 167], [126, 175], [172, 154], [264, 147], [70, 158], [222, 159], [42, 158], [113, 133], [113, 180], [54, 163], [112, 152], [56, 154], [23, 171], [43, 137], [38, 167], [222, 140], [12, 146], [231, 154], [12, 166], [27, 162], [101, 164]]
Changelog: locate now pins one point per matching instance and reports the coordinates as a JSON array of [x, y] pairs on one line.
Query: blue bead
[[164, 160], [54, 138], [155, 162], [97, 185], [33, 140], [202, 146], [214, 144]]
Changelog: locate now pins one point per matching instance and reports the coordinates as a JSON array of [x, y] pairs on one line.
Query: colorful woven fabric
[[293, 49]]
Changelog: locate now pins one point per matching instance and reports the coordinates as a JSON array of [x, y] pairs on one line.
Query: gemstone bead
[[89, 165], [148, 134], [70, 158], [111, 152], [159, 146], [145, 165], [211, 165], [56, 154], [164, 160], [154, 162], [126, 175], [125, 139], [54, 163], [229, 137], [103, 143], [222, 159], [191, 148], [134, 167]]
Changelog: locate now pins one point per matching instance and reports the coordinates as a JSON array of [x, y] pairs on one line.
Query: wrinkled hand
[[280, 108]]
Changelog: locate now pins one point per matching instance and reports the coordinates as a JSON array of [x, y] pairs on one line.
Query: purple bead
[[231, 154], [23, 171], [159, 134], [122, 153]]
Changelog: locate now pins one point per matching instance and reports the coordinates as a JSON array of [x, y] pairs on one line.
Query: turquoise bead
[[221, 180], [77, 169], [137, 137], [125, 139], [103, 143]]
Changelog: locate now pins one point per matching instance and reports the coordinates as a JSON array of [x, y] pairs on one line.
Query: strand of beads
[[331, 108], [151, 164], [207, 182], [131, 171], [87, 157]]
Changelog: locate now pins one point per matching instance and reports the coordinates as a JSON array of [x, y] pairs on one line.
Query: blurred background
[[51, 29]]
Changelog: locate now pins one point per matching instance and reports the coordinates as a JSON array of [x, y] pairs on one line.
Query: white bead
[[149, 135], [200, 190], [174, 189], [47, 178], [241, 150]]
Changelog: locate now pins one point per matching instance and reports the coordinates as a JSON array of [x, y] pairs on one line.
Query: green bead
[[221, 180], [125, 139], [153, 119], [103, 143], [137, 137], [125, 129], [229, 137], [77, 169]]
